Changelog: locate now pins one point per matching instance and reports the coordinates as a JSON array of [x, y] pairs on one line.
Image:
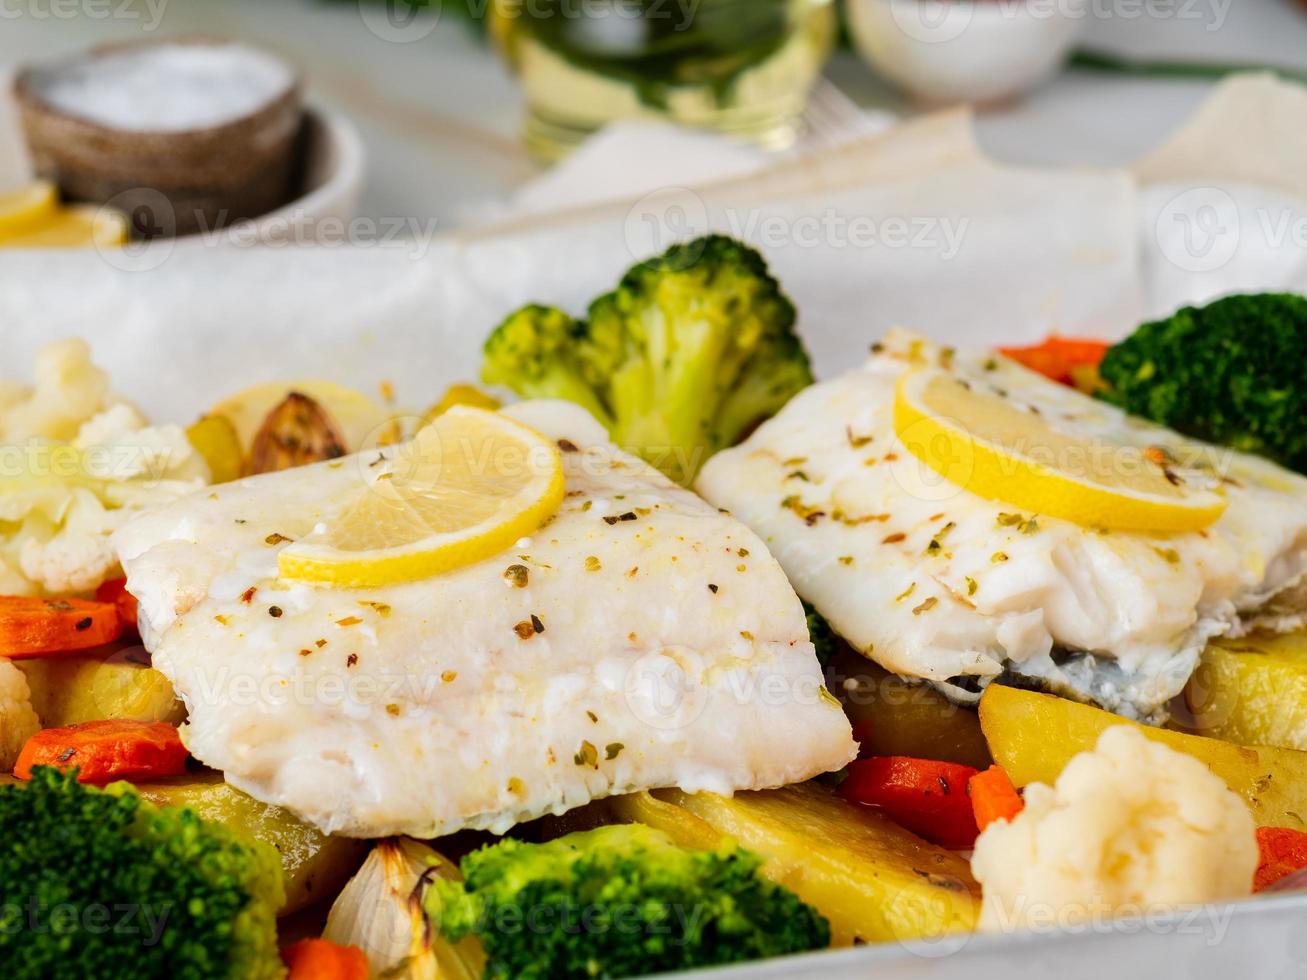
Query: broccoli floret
[[619, 901], [1230, 373], [822, 636], [690, 351], [99, 883]]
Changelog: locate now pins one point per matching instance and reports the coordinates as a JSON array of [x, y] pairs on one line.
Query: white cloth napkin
[[627, 160]]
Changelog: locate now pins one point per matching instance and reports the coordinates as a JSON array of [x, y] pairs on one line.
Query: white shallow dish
[[333, 170], [1259, 938]]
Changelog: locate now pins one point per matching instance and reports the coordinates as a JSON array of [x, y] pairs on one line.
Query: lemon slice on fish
[[980, 441], [26, 207], [466, 487]]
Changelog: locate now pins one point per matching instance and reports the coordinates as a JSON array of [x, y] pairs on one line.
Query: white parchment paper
[[914, 227]]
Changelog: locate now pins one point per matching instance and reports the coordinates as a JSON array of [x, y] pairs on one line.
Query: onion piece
[[380, 911]]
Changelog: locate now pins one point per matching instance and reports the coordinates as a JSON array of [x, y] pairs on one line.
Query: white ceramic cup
[[975, 51]]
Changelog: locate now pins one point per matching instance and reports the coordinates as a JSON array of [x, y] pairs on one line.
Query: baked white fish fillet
[[671, 651], [1117, 618]]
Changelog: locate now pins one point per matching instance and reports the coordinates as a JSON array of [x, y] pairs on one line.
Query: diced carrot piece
[[321, 959], [927, 797], [1060, 358], [31, 627], [103, 751], [1283, 851], [993, 797], [115, 591]]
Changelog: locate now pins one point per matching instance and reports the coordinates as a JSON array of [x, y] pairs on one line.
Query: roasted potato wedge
[[297, 432], [1252, 691], [460, 394], [872, 879], [316, 866], [70, 690], [893, 716], [214, 438], [358, 417], [1033, 736]]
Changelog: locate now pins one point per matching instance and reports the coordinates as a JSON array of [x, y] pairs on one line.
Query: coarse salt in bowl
[[165, 88]]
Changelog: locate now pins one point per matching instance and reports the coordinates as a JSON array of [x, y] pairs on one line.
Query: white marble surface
[[439, 113]]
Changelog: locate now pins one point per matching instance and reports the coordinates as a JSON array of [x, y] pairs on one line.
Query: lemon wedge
[[466, 487], [27, 207], [984, 444], [80, 226]]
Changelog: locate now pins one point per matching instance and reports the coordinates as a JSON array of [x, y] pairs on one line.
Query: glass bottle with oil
[[739, 66]]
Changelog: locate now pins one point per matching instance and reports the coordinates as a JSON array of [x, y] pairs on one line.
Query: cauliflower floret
[[77, 556], [18, 722], [68, 390], [12, 580], [1132, 826], [12, 393], [119, 445], [77, 462], [109, 426]]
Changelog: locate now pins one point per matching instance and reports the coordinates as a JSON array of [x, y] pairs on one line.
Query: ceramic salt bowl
[[183, 135]]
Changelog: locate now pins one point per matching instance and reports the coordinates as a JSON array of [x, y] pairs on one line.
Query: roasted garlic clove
[[380, 912], [296, 432]]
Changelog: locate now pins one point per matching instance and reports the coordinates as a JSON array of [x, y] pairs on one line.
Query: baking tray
[[178, 333]]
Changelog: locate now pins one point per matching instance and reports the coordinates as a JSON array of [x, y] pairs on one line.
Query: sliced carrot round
[[321, 959], [115, 591], [31, 627], [993, 797], [1059, 358], [103, 751], [1283, 851]]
